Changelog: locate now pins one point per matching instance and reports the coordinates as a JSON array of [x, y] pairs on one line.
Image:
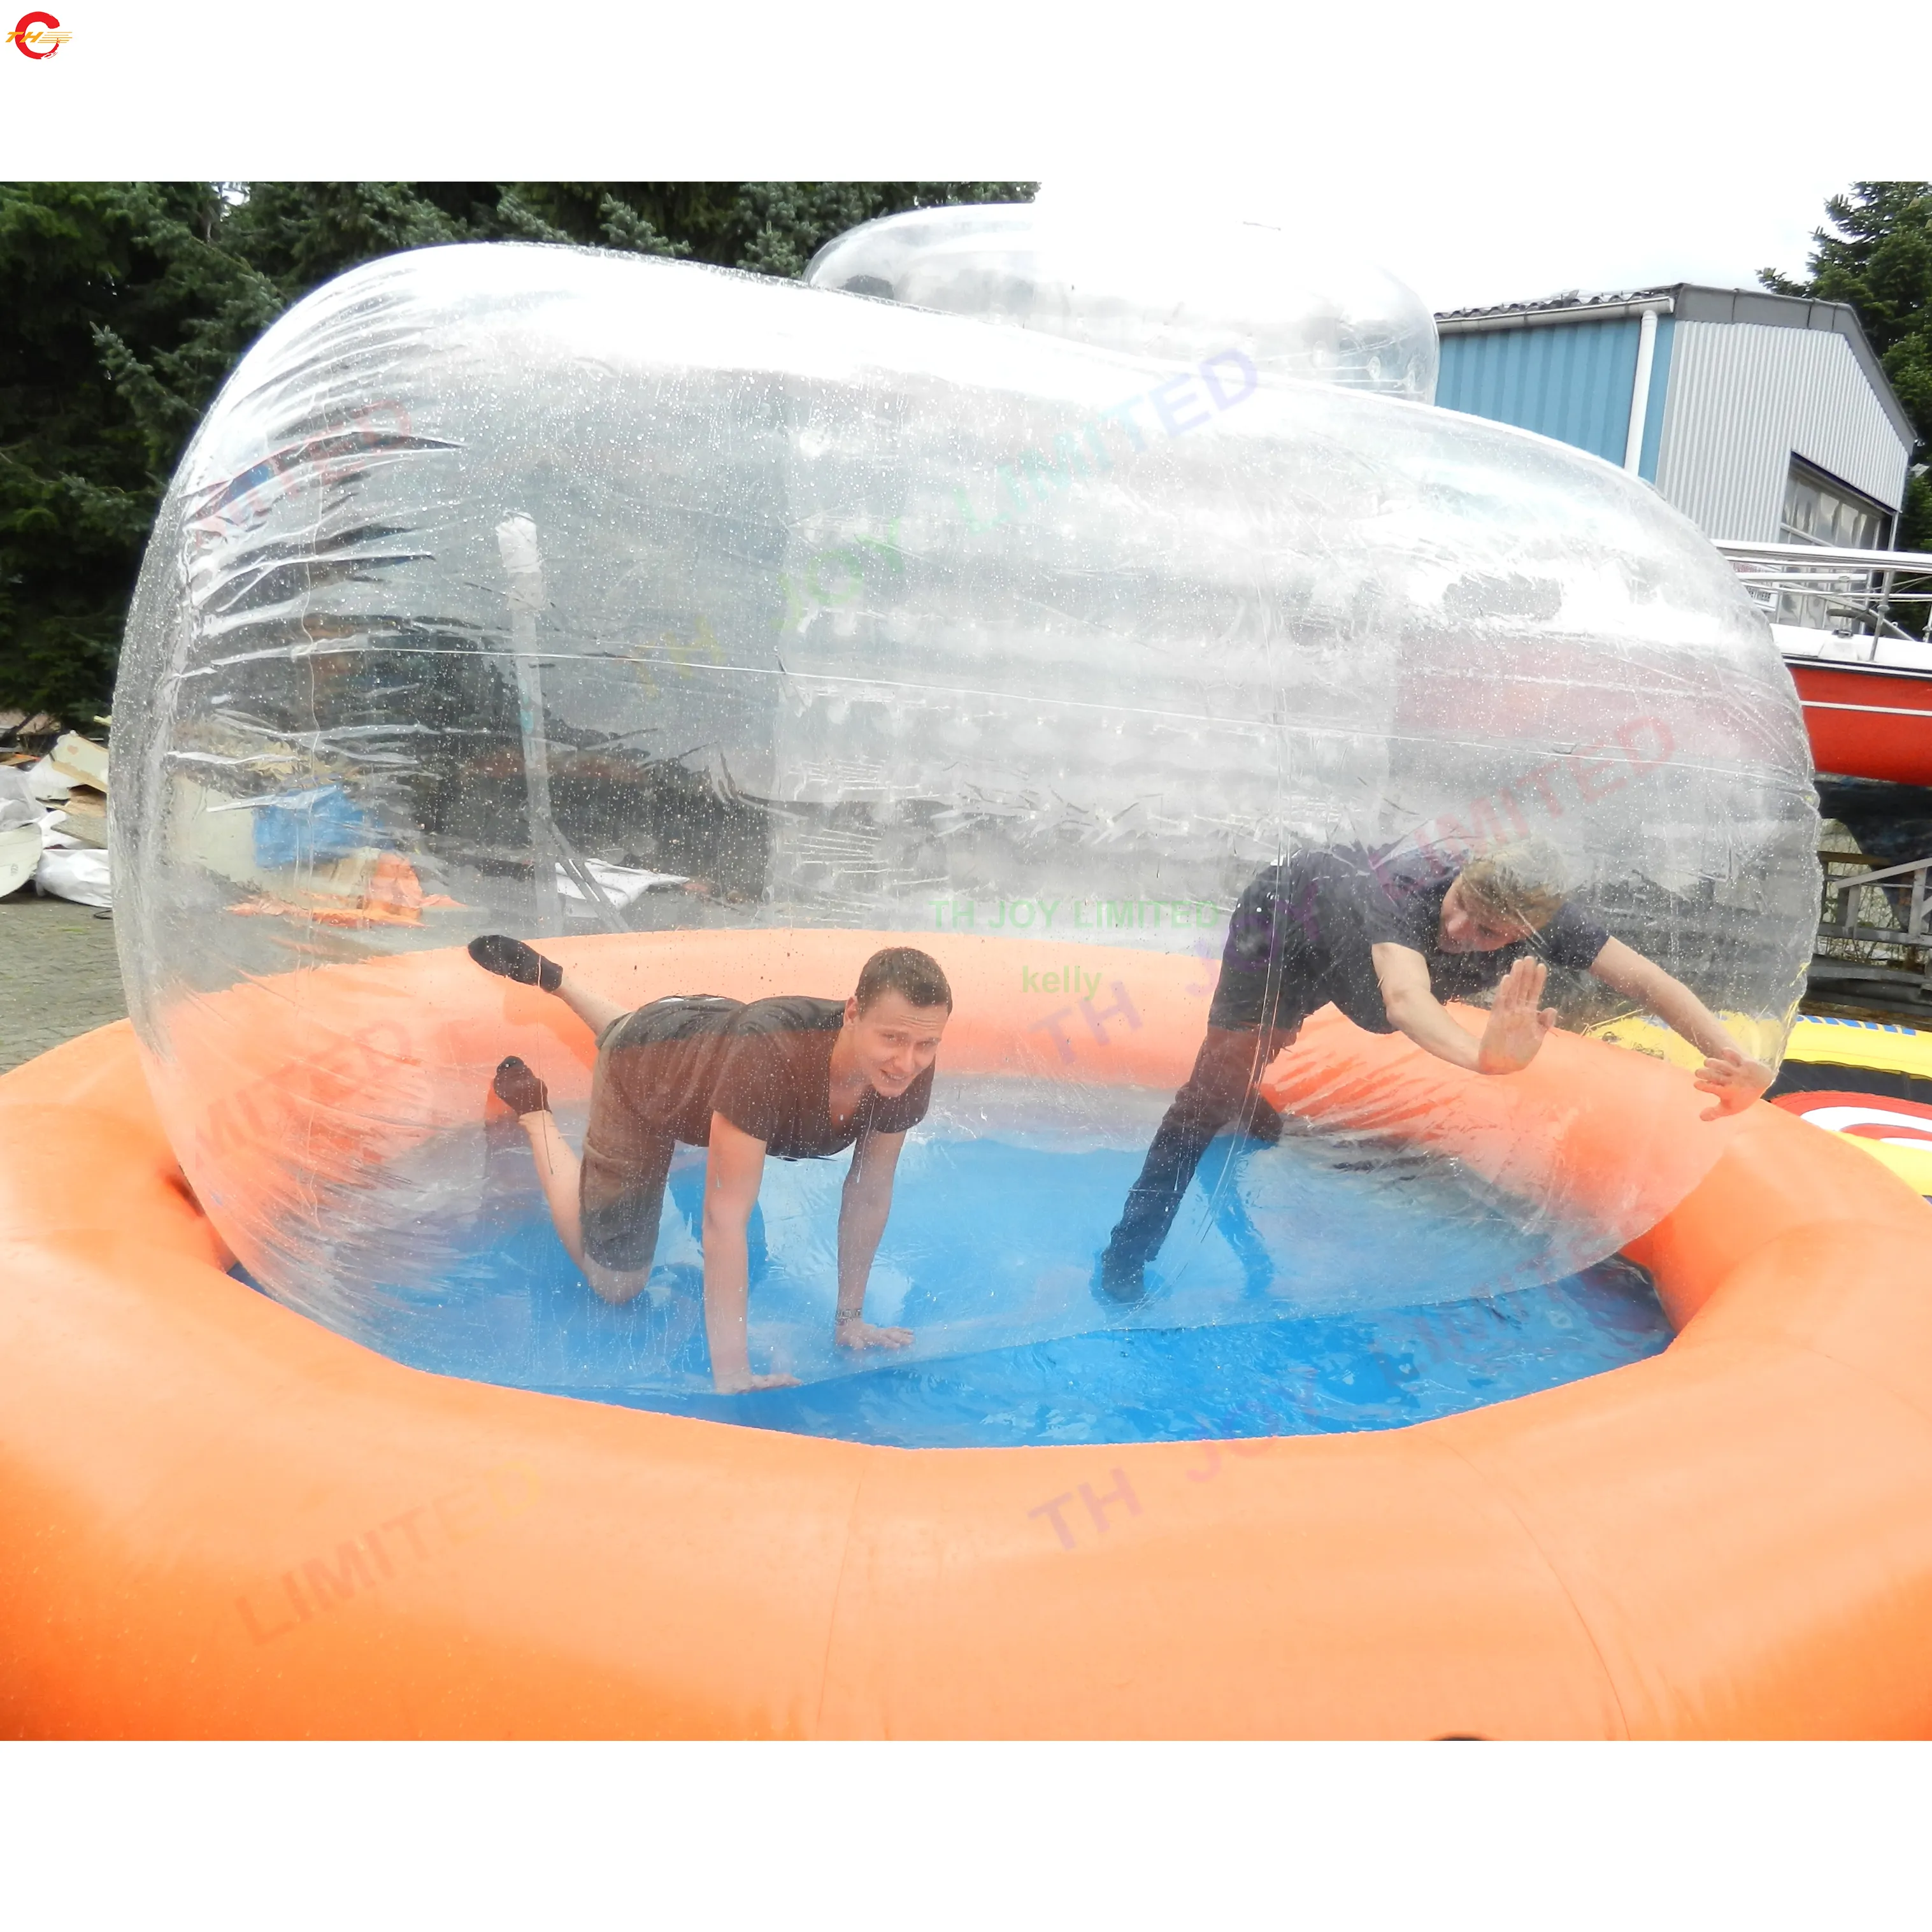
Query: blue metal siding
[[1571, 381]]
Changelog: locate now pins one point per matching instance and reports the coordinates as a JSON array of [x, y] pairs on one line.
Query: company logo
[[39, 36], [1867, 1117]]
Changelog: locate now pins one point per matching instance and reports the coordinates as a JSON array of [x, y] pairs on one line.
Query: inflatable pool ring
[[374, 1060], [222, 1519], [1869, 1080]]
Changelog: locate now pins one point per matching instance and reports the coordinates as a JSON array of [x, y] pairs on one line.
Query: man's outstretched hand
[[1517, 1021], [860, 1334], [1734, 1081]]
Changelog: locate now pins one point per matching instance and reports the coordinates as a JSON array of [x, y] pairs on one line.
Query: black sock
[[511, 959], [519, 1089]]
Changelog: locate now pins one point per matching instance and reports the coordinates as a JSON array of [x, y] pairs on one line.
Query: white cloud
[[1463, 239]]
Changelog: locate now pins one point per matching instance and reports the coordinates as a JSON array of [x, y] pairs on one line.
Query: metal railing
[[1844, 606], [1851, 947], [1845, 594]]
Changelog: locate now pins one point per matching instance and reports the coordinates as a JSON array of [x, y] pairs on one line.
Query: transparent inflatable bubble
[[1172, 290], [713, 633]]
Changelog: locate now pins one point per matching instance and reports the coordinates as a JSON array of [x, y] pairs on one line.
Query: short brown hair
[[903, 970], [1527, 882]]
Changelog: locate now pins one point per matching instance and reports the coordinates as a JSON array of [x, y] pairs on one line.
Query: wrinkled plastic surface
[[513, 563], [1179, 291]]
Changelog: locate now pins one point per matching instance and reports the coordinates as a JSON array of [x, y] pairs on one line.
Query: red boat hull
[[1868, 722]]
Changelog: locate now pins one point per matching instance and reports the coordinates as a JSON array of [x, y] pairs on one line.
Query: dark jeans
[[1220, 1092]]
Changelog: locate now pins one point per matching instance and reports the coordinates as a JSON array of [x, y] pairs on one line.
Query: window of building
[[1820, 509]]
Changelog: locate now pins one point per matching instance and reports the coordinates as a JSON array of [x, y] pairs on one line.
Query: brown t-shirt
[[765, 1066]]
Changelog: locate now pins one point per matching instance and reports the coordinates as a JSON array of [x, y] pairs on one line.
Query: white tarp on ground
[[60, 866], [45, 784], [623, 885], [20, 855], [78, 872]]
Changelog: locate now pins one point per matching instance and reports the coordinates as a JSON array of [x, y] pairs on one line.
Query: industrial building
[[1768, 421], [1765, 419]]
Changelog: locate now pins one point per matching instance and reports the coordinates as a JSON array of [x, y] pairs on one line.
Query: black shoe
[[511, 959], [519, 1089], [1119, 1281]]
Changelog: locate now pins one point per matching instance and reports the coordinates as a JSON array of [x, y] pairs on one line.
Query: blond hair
[[1527, 882]]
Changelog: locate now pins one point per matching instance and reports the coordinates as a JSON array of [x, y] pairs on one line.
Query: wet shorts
[[628, 1144]]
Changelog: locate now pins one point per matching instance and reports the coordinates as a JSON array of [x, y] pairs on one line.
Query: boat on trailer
[[1865, 680]]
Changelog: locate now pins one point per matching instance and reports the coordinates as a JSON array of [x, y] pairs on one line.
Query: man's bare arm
[[1729, 1074], [1626, 971], [733, 1170], [1517, 1021], [863, 1207]]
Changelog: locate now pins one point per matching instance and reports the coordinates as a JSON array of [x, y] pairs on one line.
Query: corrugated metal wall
[[1569, 380], [1743, 400]]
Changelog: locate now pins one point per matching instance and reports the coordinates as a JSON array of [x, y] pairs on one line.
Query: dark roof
[[1690, 301], [1569, 298]]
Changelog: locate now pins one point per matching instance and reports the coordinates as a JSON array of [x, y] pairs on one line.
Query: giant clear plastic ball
[[1160, 287], [714, 632]]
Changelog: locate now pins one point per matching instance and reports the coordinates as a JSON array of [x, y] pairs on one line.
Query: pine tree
[[1879, 260], [124, 305], [120, 313]]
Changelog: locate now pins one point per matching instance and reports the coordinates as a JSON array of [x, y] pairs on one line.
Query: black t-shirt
[[765, 1066], [1320, 916]]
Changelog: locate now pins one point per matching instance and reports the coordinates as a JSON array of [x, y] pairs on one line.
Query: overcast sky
[[1462, 240], [1617, 235], [1484, 154]]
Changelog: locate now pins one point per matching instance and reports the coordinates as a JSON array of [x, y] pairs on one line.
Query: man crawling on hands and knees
[[794, 1076]]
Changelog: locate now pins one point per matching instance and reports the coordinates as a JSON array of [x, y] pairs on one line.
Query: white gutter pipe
[[1639, 408], [1489, 322]]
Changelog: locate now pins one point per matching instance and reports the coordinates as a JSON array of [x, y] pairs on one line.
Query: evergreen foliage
[[1880, 261], [124, 305]]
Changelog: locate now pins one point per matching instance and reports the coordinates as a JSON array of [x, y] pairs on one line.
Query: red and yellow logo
[[39, 36], [1864, 1117]]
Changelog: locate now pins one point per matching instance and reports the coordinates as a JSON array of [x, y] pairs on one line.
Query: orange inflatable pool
[[221, 1519]]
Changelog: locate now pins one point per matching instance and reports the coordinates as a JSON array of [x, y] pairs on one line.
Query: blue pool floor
[[1306, 1288], [1288, 1376]]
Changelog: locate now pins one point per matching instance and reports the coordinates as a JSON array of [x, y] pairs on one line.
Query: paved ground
[[59, 976]]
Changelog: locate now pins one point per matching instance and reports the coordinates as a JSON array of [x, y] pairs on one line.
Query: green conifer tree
[[1879, 260], [124, 305]]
